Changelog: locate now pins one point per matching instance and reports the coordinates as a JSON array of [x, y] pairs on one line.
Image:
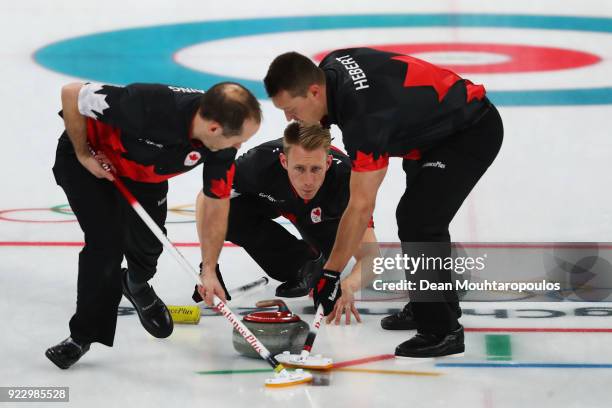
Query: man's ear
[[215, 128], [283, 160], [315, 90]]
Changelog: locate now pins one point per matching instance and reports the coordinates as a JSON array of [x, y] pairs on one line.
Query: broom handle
[[217, 303], [312, 334]]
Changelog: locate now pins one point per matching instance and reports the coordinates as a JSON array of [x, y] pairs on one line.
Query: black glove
[[196, 295], [327, 291]]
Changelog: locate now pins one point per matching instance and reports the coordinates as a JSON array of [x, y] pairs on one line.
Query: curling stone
[[279, 330]]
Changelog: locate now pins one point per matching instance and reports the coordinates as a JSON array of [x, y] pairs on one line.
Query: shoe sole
[[458, 354], [50, 356], [398, 328]]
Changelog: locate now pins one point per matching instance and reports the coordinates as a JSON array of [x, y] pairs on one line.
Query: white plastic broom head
[[286, 378], [312, 362]]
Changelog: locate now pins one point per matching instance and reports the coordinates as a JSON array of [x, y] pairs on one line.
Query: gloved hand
[[327, 291], [196, 295]]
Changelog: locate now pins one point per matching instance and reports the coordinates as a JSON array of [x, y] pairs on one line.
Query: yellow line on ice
[[397, 372]]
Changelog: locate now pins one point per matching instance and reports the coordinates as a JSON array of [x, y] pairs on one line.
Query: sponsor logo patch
[[437, 164]]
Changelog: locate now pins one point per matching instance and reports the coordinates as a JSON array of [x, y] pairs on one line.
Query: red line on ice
[[536, 330], [365, 360], [79, 244]]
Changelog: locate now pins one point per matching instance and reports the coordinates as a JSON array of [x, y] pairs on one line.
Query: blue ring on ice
[[146, 54]]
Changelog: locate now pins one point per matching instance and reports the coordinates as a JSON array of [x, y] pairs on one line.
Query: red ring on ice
[[522, 58], [3, 216]]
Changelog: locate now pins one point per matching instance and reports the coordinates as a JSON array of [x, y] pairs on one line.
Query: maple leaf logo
[[315, 215], [367, 162], [223, 187], [421, 73], [91, 103], [192, 158]]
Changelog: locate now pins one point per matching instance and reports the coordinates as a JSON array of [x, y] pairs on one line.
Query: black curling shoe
[[404, 319], [66, 353], [424, 345], [152, 312], [401, 320], [308, 275]]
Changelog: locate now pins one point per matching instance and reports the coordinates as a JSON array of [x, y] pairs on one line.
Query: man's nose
[[309, 179]]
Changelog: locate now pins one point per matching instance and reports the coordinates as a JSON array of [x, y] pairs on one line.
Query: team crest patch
[[315, 215], [192, 158]]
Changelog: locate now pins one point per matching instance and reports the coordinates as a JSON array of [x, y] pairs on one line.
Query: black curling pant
[[278, 252], [112, 230], [436, 186]]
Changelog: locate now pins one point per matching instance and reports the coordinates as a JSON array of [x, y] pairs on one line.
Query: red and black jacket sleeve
[[218, 174], [130, 108]]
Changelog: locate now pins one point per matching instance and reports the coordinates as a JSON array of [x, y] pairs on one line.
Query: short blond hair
[[309, 137]]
